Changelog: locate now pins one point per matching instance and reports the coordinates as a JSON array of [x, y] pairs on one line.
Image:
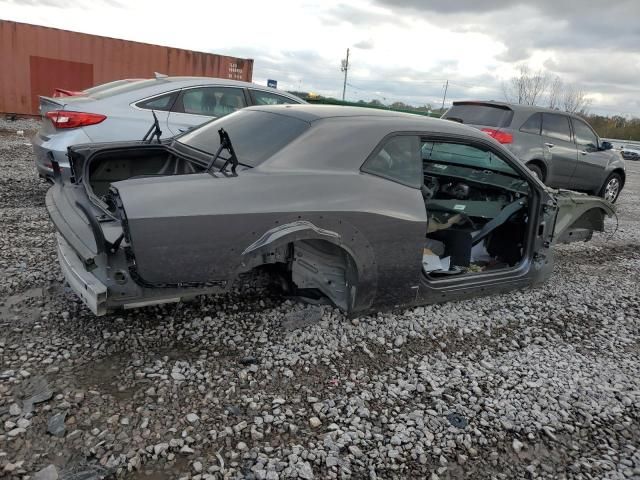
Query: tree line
[[532, 88], [540, 88]]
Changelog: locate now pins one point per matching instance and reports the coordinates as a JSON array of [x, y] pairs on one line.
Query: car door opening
[[477, 208]]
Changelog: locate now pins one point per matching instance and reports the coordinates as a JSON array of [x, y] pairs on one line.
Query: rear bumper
[[91, 290], [54, 147]]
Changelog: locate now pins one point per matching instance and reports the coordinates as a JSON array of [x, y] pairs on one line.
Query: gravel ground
[[539, 383]]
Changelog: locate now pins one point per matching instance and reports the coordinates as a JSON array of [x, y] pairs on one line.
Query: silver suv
[[560, 148]]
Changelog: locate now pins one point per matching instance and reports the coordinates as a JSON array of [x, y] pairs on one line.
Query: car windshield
[[255, 135], [464, 155]]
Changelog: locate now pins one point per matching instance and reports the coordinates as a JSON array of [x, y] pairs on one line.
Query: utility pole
[[345, 69], [446, 86]]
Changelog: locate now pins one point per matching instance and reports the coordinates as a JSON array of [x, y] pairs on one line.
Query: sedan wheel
[[611, 188]]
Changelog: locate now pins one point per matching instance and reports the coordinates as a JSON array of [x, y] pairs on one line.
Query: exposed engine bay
[[477, 219]]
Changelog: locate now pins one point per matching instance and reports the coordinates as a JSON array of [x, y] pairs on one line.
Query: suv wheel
[[537, 171], [611, 188]]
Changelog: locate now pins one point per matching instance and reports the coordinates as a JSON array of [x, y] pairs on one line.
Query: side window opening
[[211, 101], [533, 124], [585, 137], [397, 160], [477, 210], [556, 126]]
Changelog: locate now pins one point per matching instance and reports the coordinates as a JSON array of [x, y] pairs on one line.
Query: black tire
[[611, 188], [537, 171]]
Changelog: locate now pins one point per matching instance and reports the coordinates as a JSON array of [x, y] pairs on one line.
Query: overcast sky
[[401, 50]]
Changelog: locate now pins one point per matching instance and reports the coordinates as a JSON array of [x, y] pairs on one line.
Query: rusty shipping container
[[35, 60]]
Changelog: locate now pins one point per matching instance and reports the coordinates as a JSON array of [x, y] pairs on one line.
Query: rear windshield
[[255, 135], [125, 88], [480, 114], [107, 86]]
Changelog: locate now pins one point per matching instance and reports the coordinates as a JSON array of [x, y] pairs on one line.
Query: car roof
[[145, 88], [192, 80], [392, 120]]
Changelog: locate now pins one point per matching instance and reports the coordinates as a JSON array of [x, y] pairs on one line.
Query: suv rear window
[[255, 135], [480, 114]]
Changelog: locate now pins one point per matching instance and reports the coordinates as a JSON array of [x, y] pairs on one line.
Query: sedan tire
[[611, 188]]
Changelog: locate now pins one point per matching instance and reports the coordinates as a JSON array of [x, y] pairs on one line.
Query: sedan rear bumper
[[91, 290], [53, 146]]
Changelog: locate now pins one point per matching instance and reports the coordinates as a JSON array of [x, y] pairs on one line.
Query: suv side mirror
[[606, 146]]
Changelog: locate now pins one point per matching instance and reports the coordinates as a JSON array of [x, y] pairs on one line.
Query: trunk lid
[[47, 104]]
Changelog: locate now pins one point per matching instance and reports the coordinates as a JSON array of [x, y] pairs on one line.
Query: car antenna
[[225, 144], [154, 130]]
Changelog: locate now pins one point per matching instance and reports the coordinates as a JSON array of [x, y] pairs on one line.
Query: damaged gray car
[[367, 209]]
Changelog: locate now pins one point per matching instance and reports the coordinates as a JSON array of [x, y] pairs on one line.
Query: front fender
[[578, 216]]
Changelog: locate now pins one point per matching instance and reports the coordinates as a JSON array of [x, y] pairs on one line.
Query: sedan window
[[585, 137], [399, 160], [261, 97], [556, 126], [211, 101], [162, 103]]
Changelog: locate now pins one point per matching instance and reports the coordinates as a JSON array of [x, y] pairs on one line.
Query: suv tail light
[[502, 137], [67, 119]]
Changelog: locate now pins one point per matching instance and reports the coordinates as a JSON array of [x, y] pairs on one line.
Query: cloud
[[364, 44], [401, 50], [525, 26], [359, 15], [63, 4]]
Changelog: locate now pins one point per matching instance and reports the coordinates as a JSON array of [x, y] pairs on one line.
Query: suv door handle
[[550, 145], [583, 152]]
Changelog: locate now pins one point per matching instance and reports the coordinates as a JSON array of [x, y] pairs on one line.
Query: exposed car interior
[[113, 166], [477, 207]]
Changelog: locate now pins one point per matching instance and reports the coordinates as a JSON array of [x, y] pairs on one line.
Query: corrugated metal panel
[[74, 55]]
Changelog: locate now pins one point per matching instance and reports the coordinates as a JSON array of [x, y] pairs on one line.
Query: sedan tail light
[[502, 137], [68, 119]]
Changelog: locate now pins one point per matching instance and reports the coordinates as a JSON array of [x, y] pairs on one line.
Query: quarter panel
[[195, 228], [527, 146]]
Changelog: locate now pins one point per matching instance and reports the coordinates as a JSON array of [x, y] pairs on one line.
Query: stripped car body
[[333, 201]]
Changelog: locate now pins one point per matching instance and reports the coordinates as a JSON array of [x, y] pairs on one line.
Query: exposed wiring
[[617, 225]]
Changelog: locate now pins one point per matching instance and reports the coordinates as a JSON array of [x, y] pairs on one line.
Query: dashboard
[[472, 192]]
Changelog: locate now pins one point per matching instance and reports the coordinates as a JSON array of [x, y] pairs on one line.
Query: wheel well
[[326, 267], [540, 164], [620, 172]]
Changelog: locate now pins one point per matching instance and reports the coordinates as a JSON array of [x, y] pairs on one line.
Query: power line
[[444, 97], [345, 69]]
